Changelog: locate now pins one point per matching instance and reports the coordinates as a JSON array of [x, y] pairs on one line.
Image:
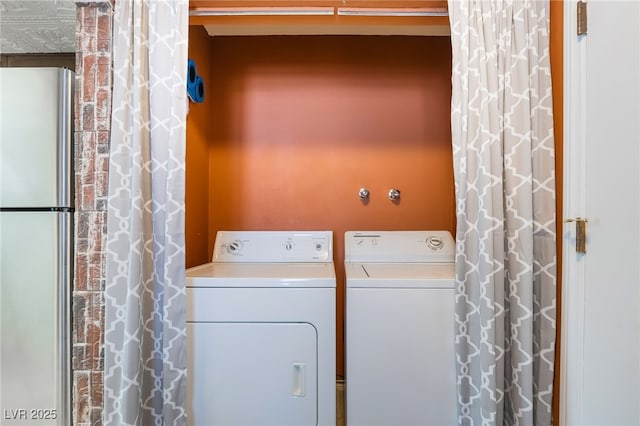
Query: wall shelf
[[321, 17]]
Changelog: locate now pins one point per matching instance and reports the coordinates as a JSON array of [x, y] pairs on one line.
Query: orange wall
[[199, 134], [295, 126]]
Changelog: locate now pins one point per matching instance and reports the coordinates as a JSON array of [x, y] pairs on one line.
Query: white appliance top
[[268, 259], [399, 246], [399, 259], [221, 274]]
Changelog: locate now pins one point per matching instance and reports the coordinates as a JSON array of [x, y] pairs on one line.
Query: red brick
[[80, 279], [88, 19], [81, 396], [89, 78], [103, 75], [87, 197], [87, 176], [103, 138], [79, 359], [104, 27], [88, 117], [79, 319], [103, 46], [103, 99]]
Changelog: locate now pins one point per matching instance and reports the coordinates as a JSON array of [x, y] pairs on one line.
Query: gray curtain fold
[[502, 136], [145, 318]]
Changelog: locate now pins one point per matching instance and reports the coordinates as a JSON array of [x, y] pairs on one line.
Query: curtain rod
[[318, 11], [262, 11], [391, 12]]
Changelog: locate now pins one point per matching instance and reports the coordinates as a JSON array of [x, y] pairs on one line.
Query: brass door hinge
[[581, 234], [582, 17]]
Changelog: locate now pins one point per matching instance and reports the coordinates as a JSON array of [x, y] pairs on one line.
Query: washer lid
[[400, 275], [232, 274]]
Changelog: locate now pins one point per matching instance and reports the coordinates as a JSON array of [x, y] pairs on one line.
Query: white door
[[600, 382]]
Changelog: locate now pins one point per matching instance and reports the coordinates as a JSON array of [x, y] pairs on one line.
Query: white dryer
[[399, 332], [261, 331]]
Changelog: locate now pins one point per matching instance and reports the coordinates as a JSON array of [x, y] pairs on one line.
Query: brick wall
[[92, 132]]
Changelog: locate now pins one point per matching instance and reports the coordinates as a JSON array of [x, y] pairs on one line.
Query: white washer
[[261, 331], [400, 365]]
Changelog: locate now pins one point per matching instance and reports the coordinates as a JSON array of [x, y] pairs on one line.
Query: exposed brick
[[93, 340], [103, 99], [89, 78], [95, 277], [104, 28], [96, 416], [101, 204], [103, 75], [79, 358], [82, 267], [88, 141], [81, 396], [88, 116], [88, 43], [101, 185], [103, 141], [96, 387], [103, 46], [103, 123], [93, 98], [82, 227], [89, 19], [87, 173], [86, 200]]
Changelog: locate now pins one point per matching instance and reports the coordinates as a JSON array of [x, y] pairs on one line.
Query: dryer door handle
[[299, 379]]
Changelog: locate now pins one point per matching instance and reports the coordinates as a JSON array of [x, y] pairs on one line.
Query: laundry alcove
[[293, 126]]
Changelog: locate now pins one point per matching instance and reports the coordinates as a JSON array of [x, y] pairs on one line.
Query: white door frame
[[574, 164]]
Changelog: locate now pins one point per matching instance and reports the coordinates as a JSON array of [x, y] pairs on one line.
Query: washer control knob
[[234, 247], [435, 243]]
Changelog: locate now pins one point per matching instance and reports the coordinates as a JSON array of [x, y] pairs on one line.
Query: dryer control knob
[[435, 243], [234, 247]]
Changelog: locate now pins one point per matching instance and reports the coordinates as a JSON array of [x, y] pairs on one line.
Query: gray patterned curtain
[[145, 328], [502, 130]]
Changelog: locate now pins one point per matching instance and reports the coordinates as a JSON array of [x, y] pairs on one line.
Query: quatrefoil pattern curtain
[[145, 320], [502, 131]]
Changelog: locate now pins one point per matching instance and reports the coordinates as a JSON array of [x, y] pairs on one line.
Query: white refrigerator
[[36, 245]]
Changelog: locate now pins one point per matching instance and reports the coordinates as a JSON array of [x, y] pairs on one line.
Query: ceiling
[[37, 26]]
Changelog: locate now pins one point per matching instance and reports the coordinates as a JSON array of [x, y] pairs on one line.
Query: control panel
[[399, 246], [273, 246]]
